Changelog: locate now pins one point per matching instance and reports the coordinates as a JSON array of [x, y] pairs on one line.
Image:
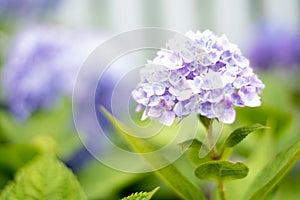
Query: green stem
[[221, 188], [212, 142]]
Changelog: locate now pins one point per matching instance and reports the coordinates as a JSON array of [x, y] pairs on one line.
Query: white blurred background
[[235, 18]]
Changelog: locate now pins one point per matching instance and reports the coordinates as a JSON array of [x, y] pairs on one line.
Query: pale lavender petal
[[169, 100], [167, 118], [205, 109], [240, 60], [211, 80], [153, 101], [224, 111], [239, 82], [159, 88], [178, 109], [148, 89], [174, 77], [155, 112], [181, 94], [183, 108], [228, 116], [249, 96], [169, 60], [140, 96], [215, 95]]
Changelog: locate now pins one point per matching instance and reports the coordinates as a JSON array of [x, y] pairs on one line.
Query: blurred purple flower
[[200, 73], [41, 66], [18, 9], [89, 130], [275, 46]]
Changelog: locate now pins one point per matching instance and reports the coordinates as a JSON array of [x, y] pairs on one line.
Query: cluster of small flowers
[[200, 73]]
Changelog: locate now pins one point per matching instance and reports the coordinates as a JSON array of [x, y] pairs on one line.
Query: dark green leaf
[[169, 174], [273, 172], [43, 178], [239, 134], [205, 121], [221, 170], [141, 195]]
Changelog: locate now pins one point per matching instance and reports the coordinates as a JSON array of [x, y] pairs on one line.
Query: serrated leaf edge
[[140, 194]]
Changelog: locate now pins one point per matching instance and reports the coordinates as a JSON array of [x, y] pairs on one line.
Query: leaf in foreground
[[169, 174], [43, 178], [239, 134], [270, 176], [141, 195], [13, 157], [221, 170]]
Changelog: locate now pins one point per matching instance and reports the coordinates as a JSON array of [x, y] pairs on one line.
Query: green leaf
[[141, 195], [43, 178], [12, 157], [270, 176], [169, 174], [192, 148], [221, 170], [193, 143], [239, 134]]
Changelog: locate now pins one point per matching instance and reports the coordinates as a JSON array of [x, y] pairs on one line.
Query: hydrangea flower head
[[201, 73]]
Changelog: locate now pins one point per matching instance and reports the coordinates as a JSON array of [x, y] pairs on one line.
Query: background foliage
[[42, 157]]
